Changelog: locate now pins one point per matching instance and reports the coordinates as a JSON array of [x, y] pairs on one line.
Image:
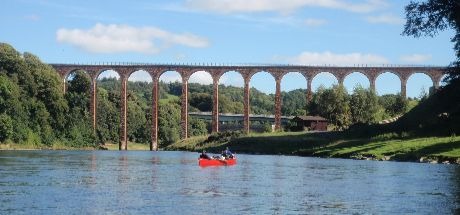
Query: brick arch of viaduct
[[216, 72]]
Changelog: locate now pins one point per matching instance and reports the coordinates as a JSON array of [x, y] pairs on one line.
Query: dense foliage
[[363, 106], [33, 109]]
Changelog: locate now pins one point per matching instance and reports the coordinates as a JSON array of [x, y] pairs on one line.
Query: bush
[[197, 127], [267, 127], [33, 139], [6, 127]]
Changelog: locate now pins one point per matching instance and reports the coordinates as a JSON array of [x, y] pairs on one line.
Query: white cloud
[[140, 76], [314, 22], [385, 19], [170, 76], [124, 38], [201, 77], [415, 58], [329, 58], [281, 6]]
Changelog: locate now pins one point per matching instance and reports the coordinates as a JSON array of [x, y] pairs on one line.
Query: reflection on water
[[112, 182]]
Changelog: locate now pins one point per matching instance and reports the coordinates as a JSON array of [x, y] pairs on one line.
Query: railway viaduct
[[216, 71]]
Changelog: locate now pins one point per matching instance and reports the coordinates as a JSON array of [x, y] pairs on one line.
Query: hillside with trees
[[35, 111]]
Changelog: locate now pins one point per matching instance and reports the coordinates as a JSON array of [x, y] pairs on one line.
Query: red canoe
[[215, 162]]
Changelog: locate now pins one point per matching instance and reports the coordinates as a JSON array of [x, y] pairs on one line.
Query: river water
[[136, 182]]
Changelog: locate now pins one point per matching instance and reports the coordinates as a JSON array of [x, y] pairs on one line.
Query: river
[[142, 182]]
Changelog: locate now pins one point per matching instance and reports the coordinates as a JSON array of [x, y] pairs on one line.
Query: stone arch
[[298, 82], [323, 72], [98, 104], [218, 76], [436, 76], [362, 72], [137, 77], [391, 72], [202, 72], [414, 75], [297, 73], [260, 81], [356, 72], [180, 76], [216, 126], [68, 74], [394, 72], [261, 72], [98, 73], [131, 72], [163, 71]]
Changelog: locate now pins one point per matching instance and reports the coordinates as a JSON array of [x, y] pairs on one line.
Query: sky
[[303, 32]]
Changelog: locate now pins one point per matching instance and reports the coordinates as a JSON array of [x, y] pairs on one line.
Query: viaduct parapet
[[155, 71]]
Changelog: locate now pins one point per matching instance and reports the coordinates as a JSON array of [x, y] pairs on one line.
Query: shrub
[[6, 127]]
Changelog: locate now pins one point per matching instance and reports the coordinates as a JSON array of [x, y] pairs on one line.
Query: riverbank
[[15, 146], [58, 146], [332, 144], [327, 145], [131, 146]]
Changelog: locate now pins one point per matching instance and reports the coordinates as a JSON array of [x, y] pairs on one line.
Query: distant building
[[311, 123]]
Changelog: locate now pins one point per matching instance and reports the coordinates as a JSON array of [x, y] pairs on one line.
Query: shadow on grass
[[431, 151], [347, 148], [276, 144]]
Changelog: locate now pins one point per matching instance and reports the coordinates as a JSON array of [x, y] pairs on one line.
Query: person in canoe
[[204, 155], [227, 154]]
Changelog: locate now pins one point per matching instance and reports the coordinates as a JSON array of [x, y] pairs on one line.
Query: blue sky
[[311, 32]]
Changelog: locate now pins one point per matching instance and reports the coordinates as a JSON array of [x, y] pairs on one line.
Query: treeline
[[33, 109], [363, 106]]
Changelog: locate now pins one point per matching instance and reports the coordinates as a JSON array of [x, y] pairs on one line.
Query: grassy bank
[[60, 146], [56, 146], [332, 144], [131, 146]]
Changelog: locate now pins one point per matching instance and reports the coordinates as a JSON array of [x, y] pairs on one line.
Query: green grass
[[332, 144], [399, 149], [131, 146], [55, 146]]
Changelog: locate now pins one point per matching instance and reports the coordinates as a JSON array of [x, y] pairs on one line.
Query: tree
[[394, 105], [333, 104], [6, 127], [293, 102], [364, 105], [429, 17], [9, 94], [80, 83], [202, 101], [168, 123], [49, 91], [108, 117], [197, 127], [137, 123]]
